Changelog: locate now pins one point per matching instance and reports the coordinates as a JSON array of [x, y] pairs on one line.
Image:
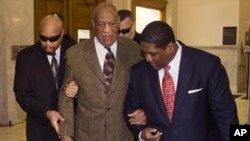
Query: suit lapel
[[94, 64], [119, 63], [64, 46], [61, 66], [185, 73], [45, 66], [156, 89]]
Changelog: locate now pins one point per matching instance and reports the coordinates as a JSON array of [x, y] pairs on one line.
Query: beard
[[49, 50]]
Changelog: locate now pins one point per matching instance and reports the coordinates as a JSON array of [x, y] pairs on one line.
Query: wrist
[[48, 113]]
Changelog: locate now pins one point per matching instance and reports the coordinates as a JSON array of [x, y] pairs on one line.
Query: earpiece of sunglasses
[[51, 39]]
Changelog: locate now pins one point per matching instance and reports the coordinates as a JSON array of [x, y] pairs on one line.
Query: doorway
[[76, 15]]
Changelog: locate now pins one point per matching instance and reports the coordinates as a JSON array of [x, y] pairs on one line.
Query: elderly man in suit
[[101, 93], [36, 81], [183, 91]]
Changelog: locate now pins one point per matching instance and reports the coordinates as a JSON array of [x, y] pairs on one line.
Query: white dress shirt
[[57, 56], [102, 51]]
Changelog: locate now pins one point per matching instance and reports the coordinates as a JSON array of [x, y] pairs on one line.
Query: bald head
[[51, 33], [51, 23]]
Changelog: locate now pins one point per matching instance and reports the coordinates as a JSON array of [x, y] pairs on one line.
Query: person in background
[[100, 66], [39, 73], [127, 26], [183, 91]]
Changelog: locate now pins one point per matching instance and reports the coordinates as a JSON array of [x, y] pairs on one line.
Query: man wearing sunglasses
[[36, 85], [127, 25]]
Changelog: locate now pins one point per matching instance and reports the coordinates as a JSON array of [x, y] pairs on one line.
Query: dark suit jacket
[[99, 112], [137, 37], [36, 91], [196, 114]]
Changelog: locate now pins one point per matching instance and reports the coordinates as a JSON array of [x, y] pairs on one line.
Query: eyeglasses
[[125, 31], [51, 39]]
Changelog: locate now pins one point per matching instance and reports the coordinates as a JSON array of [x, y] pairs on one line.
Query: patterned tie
[[108, 67], [168, 92], [54, 68]]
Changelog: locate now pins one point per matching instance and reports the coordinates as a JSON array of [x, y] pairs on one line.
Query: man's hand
[[151, 134], [71, 89], [137, 117], [66, 138], [54, 118]]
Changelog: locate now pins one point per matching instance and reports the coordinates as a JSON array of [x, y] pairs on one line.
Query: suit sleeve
[[24, 92], [132, 103], [66, 104], [221, 101]]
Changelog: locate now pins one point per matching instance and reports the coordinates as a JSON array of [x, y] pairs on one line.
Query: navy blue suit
[[35, 89], [198, 116]]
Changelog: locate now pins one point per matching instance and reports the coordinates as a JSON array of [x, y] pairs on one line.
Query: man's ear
[[63, 31], [171, 46]]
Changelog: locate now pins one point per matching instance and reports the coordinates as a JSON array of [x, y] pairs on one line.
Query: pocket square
[[194, 91]]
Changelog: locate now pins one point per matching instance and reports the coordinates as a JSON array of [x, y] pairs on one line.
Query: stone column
[[247, 49], [16, 29]]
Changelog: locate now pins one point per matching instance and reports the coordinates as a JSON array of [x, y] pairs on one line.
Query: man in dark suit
[[183, 91], [35, 85], [127, 26], [100, 98]]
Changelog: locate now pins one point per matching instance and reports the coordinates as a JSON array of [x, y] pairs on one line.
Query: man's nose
[[148, 58]]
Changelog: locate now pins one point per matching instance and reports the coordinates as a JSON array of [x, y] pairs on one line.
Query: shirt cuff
[[139, 137]]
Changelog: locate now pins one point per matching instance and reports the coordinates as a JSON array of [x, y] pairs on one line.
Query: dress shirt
[[57, 56], [102, 51], [174, 67]]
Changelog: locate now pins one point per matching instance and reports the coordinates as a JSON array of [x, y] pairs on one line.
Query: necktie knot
[[166, 71]]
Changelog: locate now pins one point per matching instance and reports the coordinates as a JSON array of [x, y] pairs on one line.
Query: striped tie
[[54, 68], [108, 67]]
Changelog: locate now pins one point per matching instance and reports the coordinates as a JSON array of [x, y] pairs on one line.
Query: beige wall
[[3, 96], [121, 4], [16, 28], [171, 14], [200, 22], [244, 22]]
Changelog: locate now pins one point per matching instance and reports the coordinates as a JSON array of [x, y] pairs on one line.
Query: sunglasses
[[51, 39], [124, 31]]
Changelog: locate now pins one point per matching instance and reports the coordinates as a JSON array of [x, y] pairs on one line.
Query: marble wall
[[201, 22], [230, 58], [16, 29], [3, 96]]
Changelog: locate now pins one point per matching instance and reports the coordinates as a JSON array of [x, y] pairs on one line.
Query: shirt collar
[[175, 63], [113, 47]]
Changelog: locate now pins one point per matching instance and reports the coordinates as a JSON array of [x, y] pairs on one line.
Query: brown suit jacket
[[99, 111]]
